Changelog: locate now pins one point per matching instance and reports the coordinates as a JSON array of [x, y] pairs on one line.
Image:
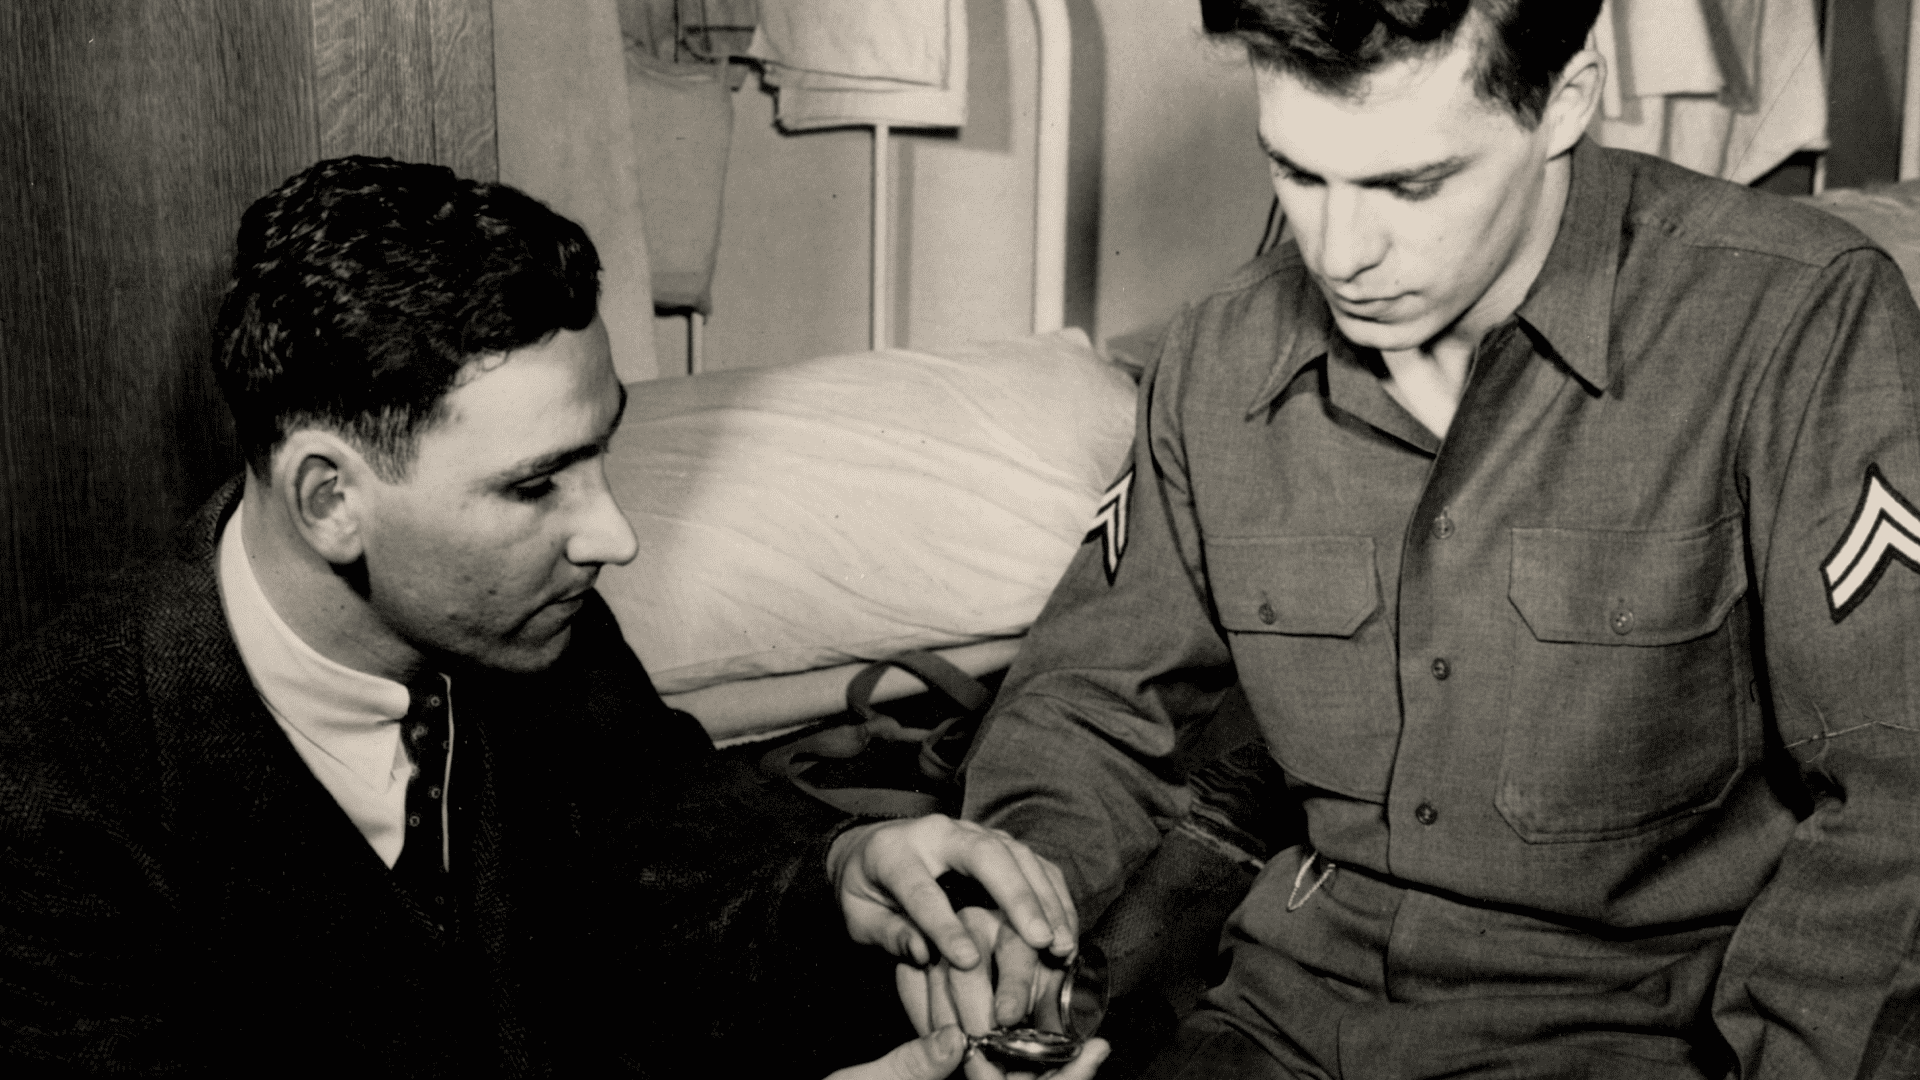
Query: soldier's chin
[[1380, 336]]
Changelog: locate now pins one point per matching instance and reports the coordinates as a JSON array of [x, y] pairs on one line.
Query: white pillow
[[848, 507]]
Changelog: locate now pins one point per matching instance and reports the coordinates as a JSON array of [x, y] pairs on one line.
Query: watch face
[[1028, 1046], [1061, 1024]]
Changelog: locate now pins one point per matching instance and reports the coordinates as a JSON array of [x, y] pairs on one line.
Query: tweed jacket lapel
[[239, 792]]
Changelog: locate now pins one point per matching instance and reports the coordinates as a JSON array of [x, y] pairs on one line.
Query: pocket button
[[1623, 622], [1266, 613]]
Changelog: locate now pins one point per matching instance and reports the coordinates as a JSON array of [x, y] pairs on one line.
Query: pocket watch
[[1061, 1024]]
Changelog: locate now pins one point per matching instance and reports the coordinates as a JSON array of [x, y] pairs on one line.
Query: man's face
[[485, 550], [1411, 201]]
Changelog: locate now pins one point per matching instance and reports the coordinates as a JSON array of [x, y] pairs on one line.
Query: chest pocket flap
[[1318, 585], [1603, 587]]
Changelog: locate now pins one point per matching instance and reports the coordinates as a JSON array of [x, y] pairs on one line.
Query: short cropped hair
[[1333, 44], [362, 286]]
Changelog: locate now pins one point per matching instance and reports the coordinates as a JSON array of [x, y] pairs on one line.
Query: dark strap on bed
[[941, 747], [939, 674]]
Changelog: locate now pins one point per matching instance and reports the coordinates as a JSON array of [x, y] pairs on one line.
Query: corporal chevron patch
[[1885, 528], [1110, 524]]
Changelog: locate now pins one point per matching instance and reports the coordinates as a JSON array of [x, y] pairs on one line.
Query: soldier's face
[[1412, 201]]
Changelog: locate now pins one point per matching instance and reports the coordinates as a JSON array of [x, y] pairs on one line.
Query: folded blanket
[[843, 63], [900, 40]]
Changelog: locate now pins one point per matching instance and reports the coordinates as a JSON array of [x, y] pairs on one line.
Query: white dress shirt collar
[[344, 723]]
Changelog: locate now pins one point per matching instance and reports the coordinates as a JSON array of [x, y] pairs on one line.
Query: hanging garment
[[896, 62], [1730, 88], [900, 40], [682, 128], [691, 31]]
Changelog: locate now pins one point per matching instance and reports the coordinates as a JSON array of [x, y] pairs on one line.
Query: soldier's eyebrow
[[1417, 174]]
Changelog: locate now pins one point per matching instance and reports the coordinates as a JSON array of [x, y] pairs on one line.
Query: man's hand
[[930, 1057], [940, 994], [885, 875], [935, 1056]]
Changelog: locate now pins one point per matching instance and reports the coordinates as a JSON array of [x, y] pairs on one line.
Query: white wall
[[1185, 189], [1171, 187]]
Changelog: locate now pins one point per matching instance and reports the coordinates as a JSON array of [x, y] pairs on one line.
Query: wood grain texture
[[373, 76], [463, 118], [407, 79], [131, 138]]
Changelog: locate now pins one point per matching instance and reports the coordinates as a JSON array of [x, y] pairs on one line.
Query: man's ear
[[324, 484], [1576, 96]]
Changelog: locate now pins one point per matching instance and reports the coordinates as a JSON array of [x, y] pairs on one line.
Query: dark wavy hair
[[362, 286], [1333, 44]]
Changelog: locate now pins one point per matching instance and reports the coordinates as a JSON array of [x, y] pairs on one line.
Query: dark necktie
[[425, 863]]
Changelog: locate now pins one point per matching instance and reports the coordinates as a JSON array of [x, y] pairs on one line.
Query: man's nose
[[1351, 240], [603, 536]]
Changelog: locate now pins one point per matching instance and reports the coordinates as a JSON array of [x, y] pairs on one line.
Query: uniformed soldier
[[1554, 508]]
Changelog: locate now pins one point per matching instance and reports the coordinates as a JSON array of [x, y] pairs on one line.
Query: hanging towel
[[1655, 51], [683, 127], [896, 62], [899, 40], [1730, 88]]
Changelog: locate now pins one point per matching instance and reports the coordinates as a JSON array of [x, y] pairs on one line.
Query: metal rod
[[1050, 165], [877, 328]]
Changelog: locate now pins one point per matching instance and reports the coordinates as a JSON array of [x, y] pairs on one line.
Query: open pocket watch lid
[[1060, 1025]]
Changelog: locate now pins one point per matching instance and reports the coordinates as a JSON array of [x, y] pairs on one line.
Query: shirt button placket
[[1427, 706]]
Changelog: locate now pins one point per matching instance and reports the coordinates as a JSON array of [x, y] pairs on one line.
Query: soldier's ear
[[1574, 100], [322, 481]]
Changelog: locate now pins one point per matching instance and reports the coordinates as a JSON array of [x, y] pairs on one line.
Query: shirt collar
[[1569, 309], [348, 714], [1312, 331]]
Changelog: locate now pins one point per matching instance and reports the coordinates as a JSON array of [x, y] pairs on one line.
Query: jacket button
[[1623, 622], [1266, 614], [1425, 814], [1442, 526], [1440, 668]]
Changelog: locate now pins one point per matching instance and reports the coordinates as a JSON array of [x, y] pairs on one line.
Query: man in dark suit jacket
[[361, 777]]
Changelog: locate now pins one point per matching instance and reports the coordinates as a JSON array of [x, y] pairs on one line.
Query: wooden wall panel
[[407, 79], [131, 138], [373, 77], [461, 32]]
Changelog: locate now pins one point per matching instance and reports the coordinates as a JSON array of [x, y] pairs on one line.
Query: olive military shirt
[[1634, 651]]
